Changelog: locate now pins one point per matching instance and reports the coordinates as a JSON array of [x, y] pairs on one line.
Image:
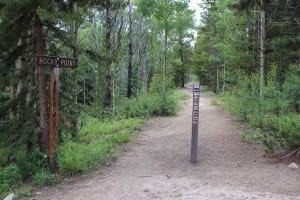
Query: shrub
[[281, 132], [151, 104], [9, 177], [291, 88], [4, 154], [32, 163], [274, 119]]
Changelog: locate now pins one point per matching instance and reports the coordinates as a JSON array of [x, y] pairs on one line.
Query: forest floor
[[156, 165]]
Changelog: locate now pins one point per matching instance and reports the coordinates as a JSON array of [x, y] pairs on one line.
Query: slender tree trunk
[[262, 48], [108, 73], [182, 63], [44, 127], [74, 29], [130, 52], [165, 60]]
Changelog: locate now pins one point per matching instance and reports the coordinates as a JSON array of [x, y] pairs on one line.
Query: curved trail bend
[[156, 165]]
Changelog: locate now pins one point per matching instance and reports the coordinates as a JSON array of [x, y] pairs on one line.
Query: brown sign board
[[56, 61]]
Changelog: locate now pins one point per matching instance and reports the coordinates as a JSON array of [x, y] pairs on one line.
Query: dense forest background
[[248, 51], [132, 54]]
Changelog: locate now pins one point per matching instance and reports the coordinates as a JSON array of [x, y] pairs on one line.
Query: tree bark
[[44, 127], [262, 48], [108, 62], [182, 63], [130, 52], [74, 29], [165, 59]]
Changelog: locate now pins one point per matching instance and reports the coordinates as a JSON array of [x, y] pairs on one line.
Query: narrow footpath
[[156, 165]]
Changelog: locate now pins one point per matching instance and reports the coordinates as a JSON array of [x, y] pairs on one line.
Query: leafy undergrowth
[[97, 141], [278, 132]]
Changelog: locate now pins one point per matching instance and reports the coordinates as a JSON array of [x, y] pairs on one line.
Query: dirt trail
[[156, 165]]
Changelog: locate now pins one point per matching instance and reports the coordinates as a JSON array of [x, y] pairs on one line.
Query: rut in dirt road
[[156, 165]]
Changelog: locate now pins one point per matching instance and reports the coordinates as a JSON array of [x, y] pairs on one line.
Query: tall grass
[[97, 142]]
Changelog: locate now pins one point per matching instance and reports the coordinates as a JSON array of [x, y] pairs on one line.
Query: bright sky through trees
[[194, 5]]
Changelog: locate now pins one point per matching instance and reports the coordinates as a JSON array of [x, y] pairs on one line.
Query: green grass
[[44, 177], [97, 142]]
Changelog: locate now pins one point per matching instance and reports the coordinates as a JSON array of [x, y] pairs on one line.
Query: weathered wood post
[[54, 63], [195, 122], [53, 119]]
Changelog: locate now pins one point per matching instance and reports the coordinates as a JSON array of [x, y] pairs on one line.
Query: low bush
[[152, 104], [4, 154], [281, 132], [276, 114], [32, 163], [9, 177]]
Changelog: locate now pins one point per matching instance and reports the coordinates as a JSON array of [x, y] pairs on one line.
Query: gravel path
[[156, 165]]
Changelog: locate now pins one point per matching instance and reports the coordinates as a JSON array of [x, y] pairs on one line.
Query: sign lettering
[[195, 122], [56, 61]]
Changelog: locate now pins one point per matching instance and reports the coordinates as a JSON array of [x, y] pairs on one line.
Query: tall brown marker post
[[195, 122], [54, 63]]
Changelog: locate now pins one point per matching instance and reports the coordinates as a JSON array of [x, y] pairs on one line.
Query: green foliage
[[252, 135], [152, 104], [79, 157], [243, 101], [10, 176], [32, 163], [44, 177], [136, 107], [291, 88], [273, 123], [281, 132], [4, 154], [165, 105], [97, 142]]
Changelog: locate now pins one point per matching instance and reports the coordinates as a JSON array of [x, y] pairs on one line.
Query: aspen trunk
[[130, 52], [182, 63], [262, 48], [165, 60], [108, 49]]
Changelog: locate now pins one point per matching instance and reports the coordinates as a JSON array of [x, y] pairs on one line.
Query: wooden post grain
[[195, 122], [53, 120]]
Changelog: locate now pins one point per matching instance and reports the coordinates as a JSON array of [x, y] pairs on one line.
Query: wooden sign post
[[54, 63], [195, 122]]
